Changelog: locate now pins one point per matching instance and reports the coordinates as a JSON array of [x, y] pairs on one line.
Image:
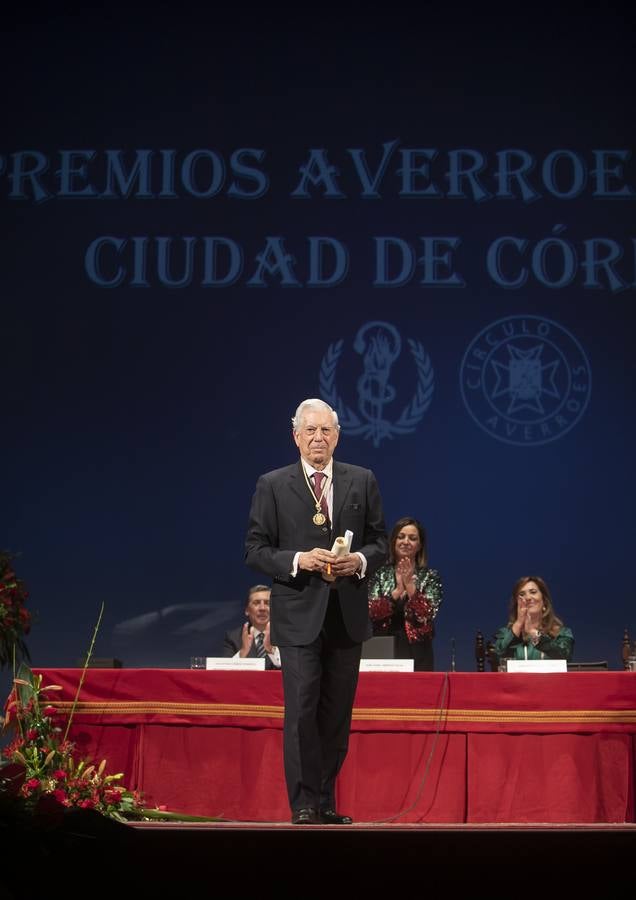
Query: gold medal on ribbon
[[318, 518]]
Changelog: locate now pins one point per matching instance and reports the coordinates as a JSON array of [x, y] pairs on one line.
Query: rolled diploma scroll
[[341, 546]]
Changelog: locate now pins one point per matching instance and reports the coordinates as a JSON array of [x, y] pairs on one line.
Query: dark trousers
[[319, 683], [421, 652]]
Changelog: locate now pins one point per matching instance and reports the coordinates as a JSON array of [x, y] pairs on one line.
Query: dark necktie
[[318, 477], [260, 646]]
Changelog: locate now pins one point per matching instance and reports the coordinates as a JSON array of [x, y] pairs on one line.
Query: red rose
[[29, 787], [49, 710], [31, 734]]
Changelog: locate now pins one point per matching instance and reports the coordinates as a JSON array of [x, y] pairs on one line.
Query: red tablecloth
[[425, 747]]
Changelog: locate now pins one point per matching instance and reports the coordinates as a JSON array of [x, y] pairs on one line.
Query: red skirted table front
[[425, 747]]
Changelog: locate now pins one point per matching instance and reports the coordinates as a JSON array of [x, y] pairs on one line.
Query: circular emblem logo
[[379, 345], [525, 380]]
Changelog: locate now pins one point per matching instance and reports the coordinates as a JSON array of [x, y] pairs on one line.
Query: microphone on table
[[452, 667]]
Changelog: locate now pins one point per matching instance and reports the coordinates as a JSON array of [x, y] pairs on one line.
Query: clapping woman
[[533, 631], [405, 595]]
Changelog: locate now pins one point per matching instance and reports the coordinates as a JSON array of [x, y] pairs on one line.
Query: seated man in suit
[[252, 638]]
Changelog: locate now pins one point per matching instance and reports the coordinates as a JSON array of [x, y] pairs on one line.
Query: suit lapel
[[342, 482], [298, 487]]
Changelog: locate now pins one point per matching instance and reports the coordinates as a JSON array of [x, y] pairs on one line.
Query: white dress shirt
[[274, 655], [328, 471]]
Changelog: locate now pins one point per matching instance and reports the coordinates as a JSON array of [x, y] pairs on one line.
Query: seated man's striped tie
[[260, 645]]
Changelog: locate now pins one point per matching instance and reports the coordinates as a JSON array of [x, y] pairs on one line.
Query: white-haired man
[[317, 623]]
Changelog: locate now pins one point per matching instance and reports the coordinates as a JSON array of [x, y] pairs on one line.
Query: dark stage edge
[[96, 857], [380, 858], [233, 825]]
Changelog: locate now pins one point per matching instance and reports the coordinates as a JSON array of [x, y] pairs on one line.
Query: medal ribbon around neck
[[319, 517]]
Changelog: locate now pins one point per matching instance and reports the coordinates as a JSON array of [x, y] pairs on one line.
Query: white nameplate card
[[537, 665], [387, 665], [225, 662]]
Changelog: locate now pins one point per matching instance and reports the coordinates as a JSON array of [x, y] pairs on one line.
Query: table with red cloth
[[430, 747]]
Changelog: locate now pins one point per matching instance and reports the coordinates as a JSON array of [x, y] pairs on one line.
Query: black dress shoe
[[305, 816], [331, 817]]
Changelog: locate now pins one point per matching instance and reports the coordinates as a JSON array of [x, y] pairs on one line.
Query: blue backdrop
[[428, 222]]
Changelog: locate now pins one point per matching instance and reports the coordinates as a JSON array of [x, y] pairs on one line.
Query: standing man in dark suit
[[319, 604], [253, 638]]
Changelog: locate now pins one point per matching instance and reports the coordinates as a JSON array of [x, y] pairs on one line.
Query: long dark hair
[[421, 559]]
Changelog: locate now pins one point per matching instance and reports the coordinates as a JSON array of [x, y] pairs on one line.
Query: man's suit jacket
[[233, 641], [280, 524]]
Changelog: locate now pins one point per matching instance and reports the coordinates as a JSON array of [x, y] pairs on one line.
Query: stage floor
[[96, 856], [379, 858], [442, 828]]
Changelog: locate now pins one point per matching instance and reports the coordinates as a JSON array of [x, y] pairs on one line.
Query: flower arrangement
[[44, 763], [15, 619], [40, 766]]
